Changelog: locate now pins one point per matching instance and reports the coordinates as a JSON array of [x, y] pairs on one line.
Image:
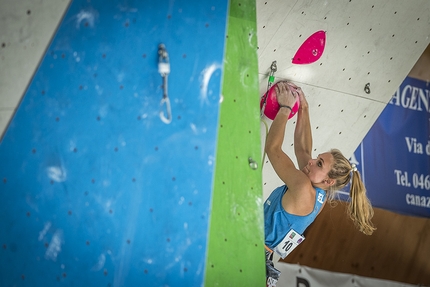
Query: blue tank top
[[278, 222]]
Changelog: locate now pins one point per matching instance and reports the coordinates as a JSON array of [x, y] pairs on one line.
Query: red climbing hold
[[311, 49]]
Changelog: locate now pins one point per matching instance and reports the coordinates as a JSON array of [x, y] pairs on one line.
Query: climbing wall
[[236, 242], [370, 47], [103, 183], [27, 28]]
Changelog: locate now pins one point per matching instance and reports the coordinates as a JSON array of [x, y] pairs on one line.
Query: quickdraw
[[164, 70]]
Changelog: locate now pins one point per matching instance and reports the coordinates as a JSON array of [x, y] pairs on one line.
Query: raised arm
[[302, 133], [281, 162]]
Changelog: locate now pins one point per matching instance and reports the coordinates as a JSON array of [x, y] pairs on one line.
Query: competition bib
[[290, 241]]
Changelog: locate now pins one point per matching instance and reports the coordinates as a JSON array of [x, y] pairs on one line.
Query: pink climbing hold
[[311, 49], [272, 106]]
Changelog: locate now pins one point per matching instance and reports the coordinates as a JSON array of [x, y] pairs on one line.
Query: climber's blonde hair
[[359, 209]]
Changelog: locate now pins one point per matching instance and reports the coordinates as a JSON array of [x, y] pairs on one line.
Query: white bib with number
[[287, 245]]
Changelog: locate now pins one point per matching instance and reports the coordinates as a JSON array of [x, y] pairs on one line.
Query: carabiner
[[166, 119]]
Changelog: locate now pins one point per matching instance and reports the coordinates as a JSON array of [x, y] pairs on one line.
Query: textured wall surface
[[236, 243], [97, 189], [27, 28]]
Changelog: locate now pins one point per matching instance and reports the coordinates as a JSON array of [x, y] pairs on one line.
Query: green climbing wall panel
[[236, 235]]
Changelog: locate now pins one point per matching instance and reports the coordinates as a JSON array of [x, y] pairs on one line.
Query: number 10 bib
[[287, 245]]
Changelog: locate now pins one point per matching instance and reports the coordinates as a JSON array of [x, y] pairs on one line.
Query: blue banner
[[394, 157]]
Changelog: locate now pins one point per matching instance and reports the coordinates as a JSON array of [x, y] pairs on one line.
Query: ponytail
[[359, 208]]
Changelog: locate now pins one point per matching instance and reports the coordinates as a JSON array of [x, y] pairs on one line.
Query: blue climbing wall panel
[[96, 189]]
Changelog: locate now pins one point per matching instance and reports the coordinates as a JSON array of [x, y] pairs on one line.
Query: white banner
[[293, 275]]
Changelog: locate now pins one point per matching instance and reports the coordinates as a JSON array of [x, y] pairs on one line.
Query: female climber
[[291, 208]]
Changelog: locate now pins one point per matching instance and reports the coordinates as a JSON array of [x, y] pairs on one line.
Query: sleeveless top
[[278, 222]]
